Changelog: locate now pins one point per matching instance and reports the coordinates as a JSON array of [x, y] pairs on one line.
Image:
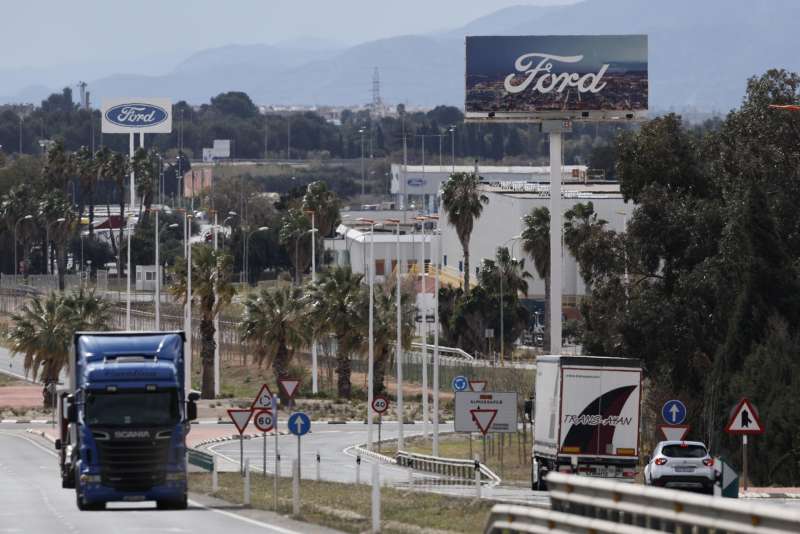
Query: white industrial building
[[501, 221]]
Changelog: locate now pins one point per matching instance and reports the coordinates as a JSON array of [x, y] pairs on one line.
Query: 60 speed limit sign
[[264, 420], [380, 404]]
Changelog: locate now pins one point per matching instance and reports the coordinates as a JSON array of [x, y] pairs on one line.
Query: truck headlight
[[176, 476], [87, 479]]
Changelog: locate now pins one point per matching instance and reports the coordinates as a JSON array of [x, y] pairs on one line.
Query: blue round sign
[[299, 424], [673, 412], [460, 383], [136, 115]]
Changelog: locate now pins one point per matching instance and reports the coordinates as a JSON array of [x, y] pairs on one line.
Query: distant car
[[681, 465]]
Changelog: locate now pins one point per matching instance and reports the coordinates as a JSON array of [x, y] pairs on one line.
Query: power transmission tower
[[377, 103]]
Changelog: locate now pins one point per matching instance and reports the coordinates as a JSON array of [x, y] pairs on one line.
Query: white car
[[681, 464]]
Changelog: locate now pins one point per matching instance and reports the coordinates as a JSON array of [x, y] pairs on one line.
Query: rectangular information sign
[[582, 77], [485, 412]]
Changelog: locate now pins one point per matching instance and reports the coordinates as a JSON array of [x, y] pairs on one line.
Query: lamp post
[[246, 270], [216, 316], [47, 243], [424, 329], [371, 360], [188, 314], [436, 339], [502, 275], [452, 131], [158, 270], [314, 382], [128, 297], [16, 228], [399, 344], [363, 175]]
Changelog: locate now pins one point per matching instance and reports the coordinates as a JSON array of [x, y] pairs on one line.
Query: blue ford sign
[[147, 115], [416, 182]]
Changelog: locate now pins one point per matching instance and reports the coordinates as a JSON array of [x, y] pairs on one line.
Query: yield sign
[[674, 432], [263, 400], [289, 386], [240, 418], [744, 420], [477, 385], [483, 419]]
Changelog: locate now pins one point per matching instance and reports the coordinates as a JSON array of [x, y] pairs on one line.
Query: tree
[[325, 205], [53, 206], [295, 235], [116, 167], [58, 167], [464, 203], [146, 165], [335, 308], [87, 171], [42, 331], [507, 276], [536, 243], [211, 286], [234, 103], [275, 321]]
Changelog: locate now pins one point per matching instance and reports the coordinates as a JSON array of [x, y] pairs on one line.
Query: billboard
[[222, 148], [137, 115], [578, 77]]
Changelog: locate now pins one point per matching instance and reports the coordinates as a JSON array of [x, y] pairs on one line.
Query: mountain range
[[700, 54]]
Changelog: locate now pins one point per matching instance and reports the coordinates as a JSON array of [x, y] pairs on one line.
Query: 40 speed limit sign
[[380, 404], [264, 420]]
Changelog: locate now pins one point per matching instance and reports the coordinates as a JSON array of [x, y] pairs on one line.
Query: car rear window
[[684, 451]]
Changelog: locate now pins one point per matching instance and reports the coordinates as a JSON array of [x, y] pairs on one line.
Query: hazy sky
[[46, 33]]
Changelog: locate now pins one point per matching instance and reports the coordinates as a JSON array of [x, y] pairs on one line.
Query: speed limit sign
[[380, 404], [264, 420]]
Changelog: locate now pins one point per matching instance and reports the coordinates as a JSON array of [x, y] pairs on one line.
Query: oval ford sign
[[135, 115], [416, 182]]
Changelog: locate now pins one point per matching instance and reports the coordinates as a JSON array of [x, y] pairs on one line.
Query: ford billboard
[[137, 115], [572, 77]]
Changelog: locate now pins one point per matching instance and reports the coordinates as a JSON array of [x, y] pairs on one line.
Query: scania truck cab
[[126, 416]]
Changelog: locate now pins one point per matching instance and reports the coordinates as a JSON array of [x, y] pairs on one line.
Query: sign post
[[274, 406], [299, 425], [744, 422], [380, 404], [264, 422], [240, 419]]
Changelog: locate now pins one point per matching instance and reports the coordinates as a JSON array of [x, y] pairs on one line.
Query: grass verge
[[347, 507]]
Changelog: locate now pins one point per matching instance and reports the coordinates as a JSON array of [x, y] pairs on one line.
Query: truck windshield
[[151, 408]]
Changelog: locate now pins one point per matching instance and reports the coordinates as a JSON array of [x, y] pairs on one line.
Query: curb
[[769, 495], [27, 421]]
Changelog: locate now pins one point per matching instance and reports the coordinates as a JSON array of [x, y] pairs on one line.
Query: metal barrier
[[450, 467], [665, 510], [507, 518], [200, 459]]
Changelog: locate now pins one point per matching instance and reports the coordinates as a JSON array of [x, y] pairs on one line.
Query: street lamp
[[399, 345], [424, 329], [363, 175], [16, 227], [158, 269], [314, 383], [48, 269], [246, 267], [128, 302], [452, 131], [502, 275], [436, 338], [188, 313], [371, 360]]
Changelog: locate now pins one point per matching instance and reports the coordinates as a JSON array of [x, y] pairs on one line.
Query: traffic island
[[347, 507]]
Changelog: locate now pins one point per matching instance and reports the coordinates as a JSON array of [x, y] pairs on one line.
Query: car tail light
[[661, 461], [708, 462]]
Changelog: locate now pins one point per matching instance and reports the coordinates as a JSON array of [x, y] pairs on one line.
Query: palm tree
[[117, 168], [43, 330], [335, 307], [102, 171], [294, 235], [58, 167], [86, 169], [325, 205], [146, 166], [464, 203], [274, 322], [506, 276], [211, 274], [536, 243], [53, 206], [580, 225]]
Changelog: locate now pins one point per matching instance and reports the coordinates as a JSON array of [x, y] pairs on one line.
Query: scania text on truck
[[125, 418], [586, 414]]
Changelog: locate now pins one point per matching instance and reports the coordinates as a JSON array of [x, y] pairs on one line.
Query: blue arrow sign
[[460, 383], [299, 424], [673, 412]]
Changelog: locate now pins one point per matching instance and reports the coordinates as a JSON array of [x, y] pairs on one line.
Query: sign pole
[[298, 456], [265, 455], [241, 453], [744, 460], [380, 419], [277, 455], [555, 242]]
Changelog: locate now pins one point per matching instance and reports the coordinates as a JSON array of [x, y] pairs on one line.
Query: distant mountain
[[701, 53]]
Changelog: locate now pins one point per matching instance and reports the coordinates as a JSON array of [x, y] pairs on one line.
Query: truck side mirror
[[72, 413], [529, 409], [193, 396], [191, 411], [57, 444]]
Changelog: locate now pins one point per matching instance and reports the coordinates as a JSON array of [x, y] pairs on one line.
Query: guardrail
[[594, 503], [449, 467], [200, 459], [507, 518], [452, 352]]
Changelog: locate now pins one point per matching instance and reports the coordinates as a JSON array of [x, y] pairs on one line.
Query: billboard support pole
[[555, 242]]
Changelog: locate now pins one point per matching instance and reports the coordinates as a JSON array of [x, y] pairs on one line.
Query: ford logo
[[135, 115], [416, 182]]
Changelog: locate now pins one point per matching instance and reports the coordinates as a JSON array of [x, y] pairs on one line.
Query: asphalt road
[[33, 502]]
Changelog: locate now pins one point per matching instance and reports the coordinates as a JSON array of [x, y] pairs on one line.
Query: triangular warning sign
[[674, 432], [744, 420], [263, 400], [477, 385], [240, 418], [483, 419], [289, 386]]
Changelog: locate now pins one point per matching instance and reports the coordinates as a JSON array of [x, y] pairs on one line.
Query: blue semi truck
[[124, 419]]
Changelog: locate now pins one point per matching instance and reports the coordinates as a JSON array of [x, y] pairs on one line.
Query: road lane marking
[[26, 438], [255, 522]]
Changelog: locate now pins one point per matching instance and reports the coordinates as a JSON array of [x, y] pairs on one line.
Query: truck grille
[[133, 465]]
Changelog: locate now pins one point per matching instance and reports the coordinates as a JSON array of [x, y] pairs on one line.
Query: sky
[[49, 33]]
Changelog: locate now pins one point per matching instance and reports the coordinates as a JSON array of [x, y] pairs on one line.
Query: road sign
[[299, 424], [264, 421], [744, 420], [240, 418], [472, 412], [263, 400], [460, 383], [673, 412], [674, 432], [289, 386], [380, 404], [477, 385]]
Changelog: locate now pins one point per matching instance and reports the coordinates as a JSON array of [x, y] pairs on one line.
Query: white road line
[[26, 438], [255, 522]]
